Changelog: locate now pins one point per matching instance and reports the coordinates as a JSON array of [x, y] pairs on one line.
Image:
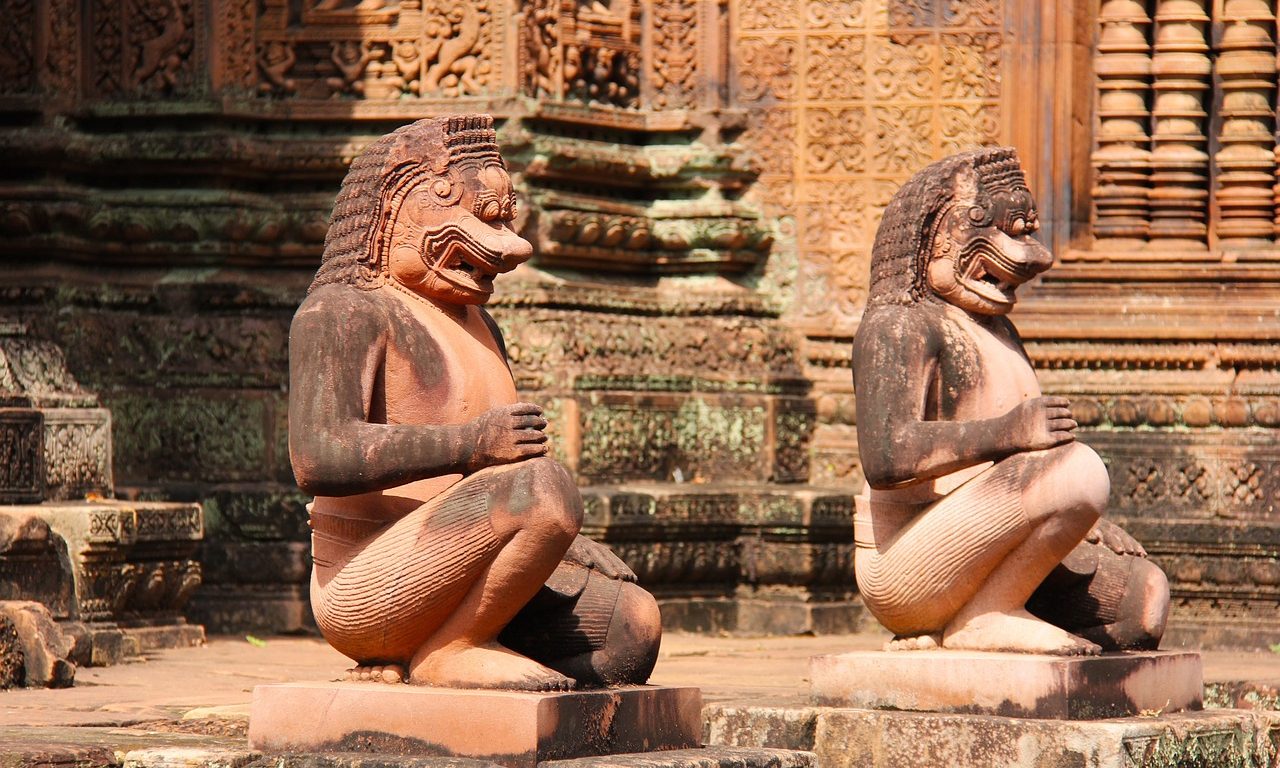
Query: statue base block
[[510, 728], [1011, 684]]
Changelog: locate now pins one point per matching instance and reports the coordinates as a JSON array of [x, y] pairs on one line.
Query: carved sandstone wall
[[845, 101], [702, 180], [174, 162]]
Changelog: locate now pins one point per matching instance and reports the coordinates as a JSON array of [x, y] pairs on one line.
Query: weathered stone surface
[[45, 647], [511, 728], [1243, 694], [12, 659], [761, 724], [236, 607], [16, 754], [847, 738], [705, 757], [22, 474], [34, 564], [1010, 684], [131, 559], [189, 757]]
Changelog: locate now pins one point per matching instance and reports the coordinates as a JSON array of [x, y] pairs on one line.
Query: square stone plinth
[[1011, 684], [507, 727]]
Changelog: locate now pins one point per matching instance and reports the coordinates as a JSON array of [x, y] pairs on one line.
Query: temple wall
[[702, 180]]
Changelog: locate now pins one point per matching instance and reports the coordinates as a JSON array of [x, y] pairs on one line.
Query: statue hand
[[598, 557], [1040, 423], [507, 434], [1114, 538]]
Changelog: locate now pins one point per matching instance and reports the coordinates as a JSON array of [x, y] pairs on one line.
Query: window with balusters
[[1185, 152]]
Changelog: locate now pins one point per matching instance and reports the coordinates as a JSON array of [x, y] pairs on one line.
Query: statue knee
[[1081, 480], [544, 497]]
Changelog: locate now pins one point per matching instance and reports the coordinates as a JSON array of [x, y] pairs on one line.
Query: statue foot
[[914, 643], [486, 666], [381, 673], [1016, 631]]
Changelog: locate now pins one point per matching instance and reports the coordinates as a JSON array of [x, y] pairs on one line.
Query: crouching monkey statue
[[445, 541], [979, 526]]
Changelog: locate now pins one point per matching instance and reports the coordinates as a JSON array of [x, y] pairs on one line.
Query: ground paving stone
[[115, 713]]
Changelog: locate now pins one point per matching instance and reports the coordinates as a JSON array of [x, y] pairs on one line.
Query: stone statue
[[445, 540], [977, 494]]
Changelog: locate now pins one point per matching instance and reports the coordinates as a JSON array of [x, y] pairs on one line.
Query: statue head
[[430, 207], [959, 231]]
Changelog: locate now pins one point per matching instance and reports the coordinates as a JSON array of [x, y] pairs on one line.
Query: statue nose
[[1038, 258], [516, 251]]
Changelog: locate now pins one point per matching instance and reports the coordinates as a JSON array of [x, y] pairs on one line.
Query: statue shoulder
[[916, 325], [341, 308]]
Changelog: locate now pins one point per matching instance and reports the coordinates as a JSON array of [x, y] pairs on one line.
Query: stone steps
[[853, 738]]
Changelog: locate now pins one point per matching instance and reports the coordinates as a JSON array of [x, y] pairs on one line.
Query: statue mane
[[379, 178], [904, 239]]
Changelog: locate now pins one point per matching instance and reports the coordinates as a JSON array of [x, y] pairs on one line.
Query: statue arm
[[895, 368], [336, 348]]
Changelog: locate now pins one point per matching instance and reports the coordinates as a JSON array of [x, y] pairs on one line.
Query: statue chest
[[986, 374], [443, 371]]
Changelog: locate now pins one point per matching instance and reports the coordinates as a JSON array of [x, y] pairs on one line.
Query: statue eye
[[485, 205], [1018, 227]]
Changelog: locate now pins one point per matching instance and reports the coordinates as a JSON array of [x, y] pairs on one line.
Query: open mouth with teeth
[[468, 260], [465, 274], [993, 275]]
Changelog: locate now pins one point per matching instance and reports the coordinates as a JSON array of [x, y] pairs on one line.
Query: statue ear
[[445, 189]]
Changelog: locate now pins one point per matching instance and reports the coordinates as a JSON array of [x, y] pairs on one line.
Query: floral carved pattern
[[871, 92], [675, 52], [768, 14], [834, 69], [17, 33], [834, 140], [765, 68], [901, 140]]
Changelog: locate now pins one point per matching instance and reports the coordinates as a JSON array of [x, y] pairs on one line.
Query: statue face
[[453, 234], [983, 252]]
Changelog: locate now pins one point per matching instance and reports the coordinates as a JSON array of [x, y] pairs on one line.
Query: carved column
[[1246, 161], [1121, 218], [1179, 160], [1277, 142]]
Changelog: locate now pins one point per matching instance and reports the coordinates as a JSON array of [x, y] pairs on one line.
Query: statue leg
[[432, 590], [962, 569], [1119, 601], [1063, 492], [597, 630]]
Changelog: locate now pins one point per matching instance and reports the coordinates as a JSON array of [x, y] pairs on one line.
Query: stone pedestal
[[1011, 684], [511, 728]]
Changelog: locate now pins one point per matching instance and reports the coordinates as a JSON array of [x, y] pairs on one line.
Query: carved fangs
[[984, 281]]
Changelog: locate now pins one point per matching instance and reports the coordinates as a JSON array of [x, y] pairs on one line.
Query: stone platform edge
[[858, 738], [511, 728]]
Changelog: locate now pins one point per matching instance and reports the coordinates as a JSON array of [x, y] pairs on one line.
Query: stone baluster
[[1246, 68], [1122, 161], [1179, 158]]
